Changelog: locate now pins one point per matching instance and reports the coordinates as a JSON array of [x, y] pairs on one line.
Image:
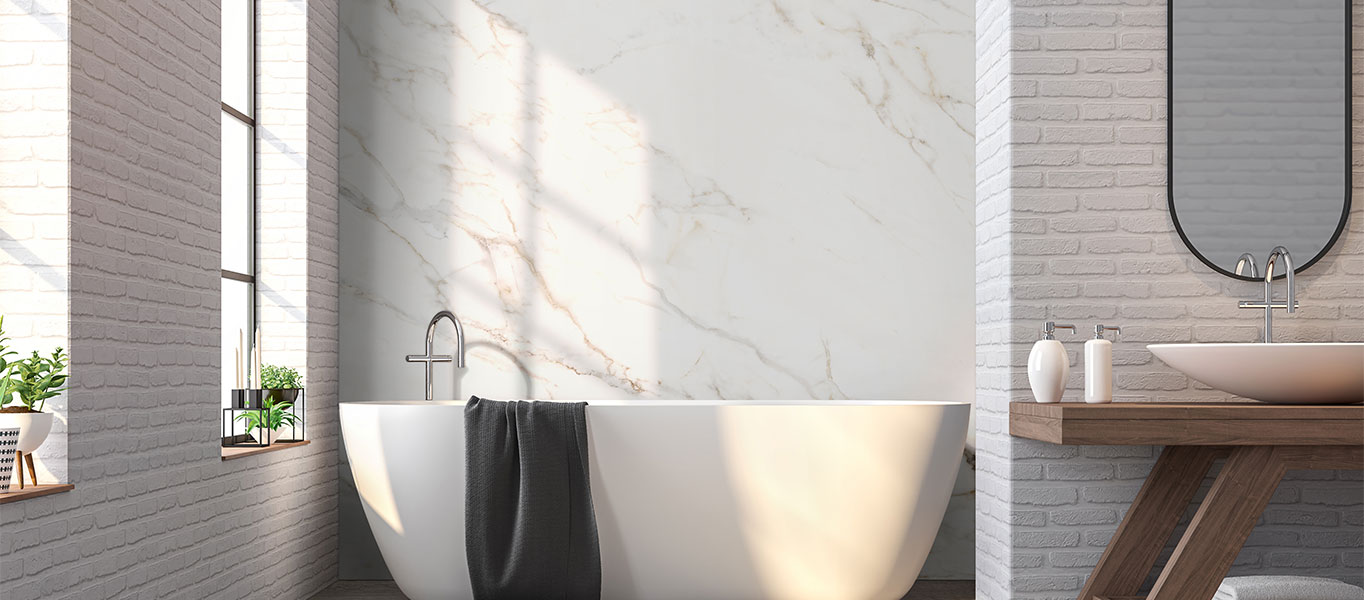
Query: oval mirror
[[1259, 129]]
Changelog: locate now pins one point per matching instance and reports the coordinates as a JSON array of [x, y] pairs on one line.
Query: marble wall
[[711, 199]]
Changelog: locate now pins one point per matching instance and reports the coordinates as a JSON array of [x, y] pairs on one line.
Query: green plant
[[40, 378], [8, 384], [274, 377], [270, 416]]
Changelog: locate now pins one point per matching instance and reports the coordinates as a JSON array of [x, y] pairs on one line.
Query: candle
[[241, 358]]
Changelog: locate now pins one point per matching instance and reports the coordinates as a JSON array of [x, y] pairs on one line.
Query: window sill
[[34, 491], [235, 453]]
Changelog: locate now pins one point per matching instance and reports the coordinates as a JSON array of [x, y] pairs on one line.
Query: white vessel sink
[[1274, 373]]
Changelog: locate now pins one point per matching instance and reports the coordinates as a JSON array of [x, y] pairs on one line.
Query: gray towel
[[1286, 587], [530, 531]]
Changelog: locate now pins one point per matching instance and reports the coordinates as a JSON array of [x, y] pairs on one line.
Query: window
[[238, 186]]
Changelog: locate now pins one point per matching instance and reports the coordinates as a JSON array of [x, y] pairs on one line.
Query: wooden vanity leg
[[1154, 513], [1221, 525]]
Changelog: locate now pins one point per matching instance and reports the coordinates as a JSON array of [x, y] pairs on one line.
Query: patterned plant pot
[[9, 442]]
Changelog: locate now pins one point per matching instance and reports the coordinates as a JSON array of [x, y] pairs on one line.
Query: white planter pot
[[271, 435], [33, 428]]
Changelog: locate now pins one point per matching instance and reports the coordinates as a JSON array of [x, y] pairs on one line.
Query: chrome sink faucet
[[1245, 265], [430, 358], [1290, 304]]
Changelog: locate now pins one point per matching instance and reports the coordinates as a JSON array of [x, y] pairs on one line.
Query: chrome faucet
[[1247, 260], [430, 358], [1290, 304]]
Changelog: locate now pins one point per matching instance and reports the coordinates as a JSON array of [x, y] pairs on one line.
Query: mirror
[[1259, 119]]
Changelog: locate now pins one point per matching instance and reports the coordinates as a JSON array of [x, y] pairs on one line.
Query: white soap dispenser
[[1049, 365], [1099, 366]]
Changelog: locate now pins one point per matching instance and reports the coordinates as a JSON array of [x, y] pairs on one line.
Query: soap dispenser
[[1049, 365], [1099, 366]]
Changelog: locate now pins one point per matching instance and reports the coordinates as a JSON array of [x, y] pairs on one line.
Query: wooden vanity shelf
[[1260, 442], [1188, 424]]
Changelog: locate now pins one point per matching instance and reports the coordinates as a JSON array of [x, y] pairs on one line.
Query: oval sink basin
[[1274, 373]]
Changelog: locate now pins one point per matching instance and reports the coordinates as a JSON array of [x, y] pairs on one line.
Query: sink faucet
[[1245, 265], [430, 358], [1290, 304]]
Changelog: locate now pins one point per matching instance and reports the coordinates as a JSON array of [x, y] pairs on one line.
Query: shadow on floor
[[387, 590]]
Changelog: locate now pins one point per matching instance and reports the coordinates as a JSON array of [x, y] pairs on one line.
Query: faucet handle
[[1260, 305], [1100, 329], [1049, 329]]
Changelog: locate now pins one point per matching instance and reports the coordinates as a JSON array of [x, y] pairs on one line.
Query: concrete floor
[[387, 590]]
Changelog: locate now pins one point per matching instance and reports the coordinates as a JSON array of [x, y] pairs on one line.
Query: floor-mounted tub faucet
[[430, 358], [1290, 304]]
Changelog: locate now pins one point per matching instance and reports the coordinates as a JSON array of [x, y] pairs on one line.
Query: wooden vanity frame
[[1261, 442]]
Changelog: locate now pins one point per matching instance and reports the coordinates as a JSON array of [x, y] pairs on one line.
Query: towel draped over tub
[[530, 530]]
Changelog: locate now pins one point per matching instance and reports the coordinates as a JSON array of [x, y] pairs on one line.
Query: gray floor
[[387, 590]]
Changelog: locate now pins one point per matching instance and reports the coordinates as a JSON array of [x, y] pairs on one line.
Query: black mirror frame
[[1170, 142]]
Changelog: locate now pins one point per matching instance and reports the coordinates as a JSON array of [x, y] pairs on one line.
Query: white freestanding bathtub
[[694, 499]]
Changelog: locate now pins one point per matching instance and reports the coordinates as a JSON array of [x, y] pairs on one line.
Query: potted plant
[[267, 421], [282, 383], [25, 385]]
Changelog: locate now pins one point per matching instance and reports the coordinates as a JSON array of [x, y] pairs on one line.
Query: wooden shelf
[[1188, 423], [235, 453], [34, 491]]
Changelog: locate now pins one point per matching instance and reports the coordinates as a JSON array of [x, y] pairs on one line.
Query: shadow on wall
[[654, 200], [22, 255]]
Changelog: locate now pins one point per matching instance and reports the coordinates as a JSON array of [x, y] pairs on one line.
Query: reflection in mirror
[[1259, 136]]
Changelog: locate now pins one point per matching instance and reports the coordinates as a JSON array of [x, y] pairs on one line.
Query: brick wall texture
[[1089, 239], [282, 181], [993, 276], [156, 513], [33, 189]]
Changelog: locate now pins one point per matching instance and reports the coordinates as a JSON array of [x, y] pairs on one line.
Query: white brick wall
[[33, 187], [1092, 241], [322, 303], [156, 513], [994, 552], [282, 181]]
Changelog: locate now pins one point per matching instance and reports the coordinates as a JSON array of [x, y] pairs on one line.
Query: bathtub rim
[[680, 403]]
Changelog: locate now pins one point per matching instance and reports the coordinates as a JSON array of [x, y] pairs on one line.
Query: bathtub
[[694, 499]]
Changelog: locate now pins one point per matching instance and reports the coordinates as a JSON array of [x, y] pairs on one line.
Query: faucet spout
[[1245, 265], [429, 358], [1279, 252], [459, 335]]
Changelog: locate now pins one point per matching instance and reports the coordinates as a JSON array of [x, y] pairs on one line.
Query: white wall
[[660, 200], [994, 271], [33, 189]]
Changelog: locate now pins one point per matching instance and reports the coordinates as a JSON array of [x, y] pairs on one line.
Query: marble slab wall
[[648, 199]]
